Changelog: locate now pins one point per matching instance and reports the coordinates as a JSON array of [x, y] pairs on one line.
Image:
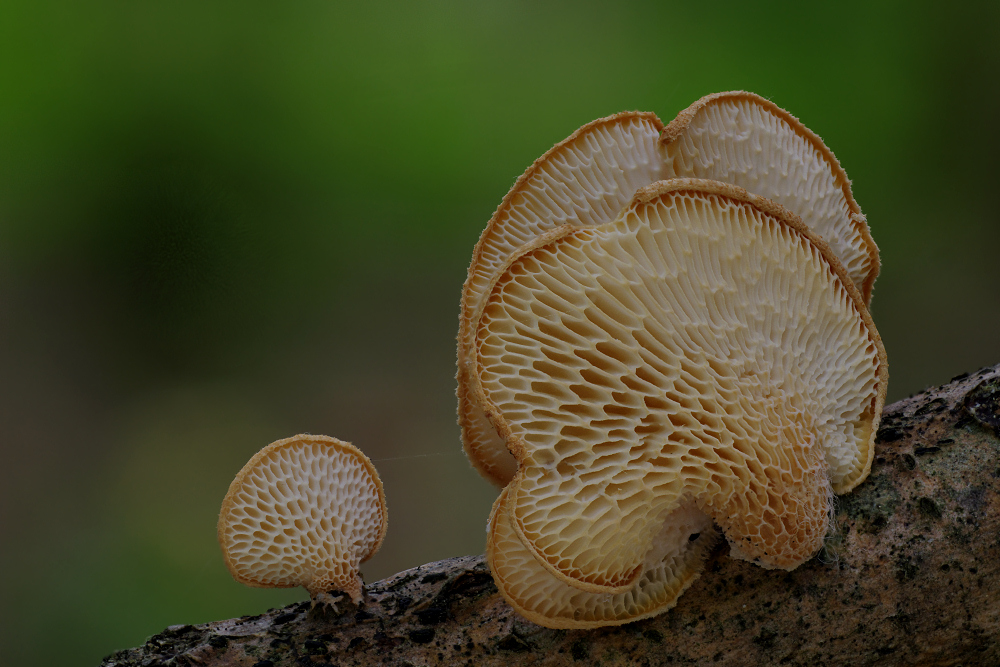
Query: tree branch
[[910, 575]]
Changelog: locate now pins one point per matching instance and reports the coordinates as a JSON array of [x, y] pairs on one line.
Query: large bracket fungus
[[704, 347], [706, 356], [587, 179], [304, 511]]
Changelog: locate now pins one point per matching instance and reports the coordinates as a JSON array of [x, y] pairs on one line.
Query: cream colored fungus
[[701, 346]]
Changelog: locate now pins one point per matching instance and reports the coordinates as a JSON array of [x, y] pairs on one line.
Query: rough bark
[[910, 575]]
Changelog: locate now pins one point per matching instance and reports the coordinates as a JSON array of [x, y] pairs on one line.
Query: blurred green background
[[226, 223]]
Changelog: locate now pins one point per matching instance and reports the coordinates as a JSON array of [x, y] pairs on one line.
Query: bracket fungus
[[587, 179], [584, 180], [744, 139], [304, 511], [704, 355], [671, 565]]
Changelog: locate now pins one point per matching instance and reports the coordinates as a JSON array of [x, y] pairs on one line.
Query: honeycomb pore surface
[[305, 511], [701, 346]]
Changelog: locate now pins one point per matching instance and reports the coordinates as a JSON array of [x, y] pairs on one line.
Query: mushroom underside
[[305, 511], [744, 139], [584, 181], [705, 345], [673, 563]]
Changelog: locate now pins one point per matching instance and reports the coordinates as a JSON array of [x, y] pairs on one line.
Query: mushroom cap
[[705, 345], [304, 511], [670, 566], [741, 138], [584, 180]]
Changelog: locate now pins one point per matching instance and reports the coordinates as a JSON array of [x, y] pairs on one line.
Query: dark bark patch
[[432, 615], [902, 621], [931, 407], [422, 635], [928, 508], [875, 524], [314, 647], [973, 499], [906, 569], [983, 404], [514, 642], [468, 584], [403, 603], [889, 434], [765, 638], [402, 581]]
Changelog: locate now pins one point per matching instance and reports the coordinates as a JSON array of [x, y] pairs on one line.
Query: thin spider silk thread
[[410, 456], [417, 456]]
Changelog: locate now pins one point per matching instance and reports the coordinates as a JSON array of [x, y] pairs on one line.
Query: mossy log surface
[[909, 576]]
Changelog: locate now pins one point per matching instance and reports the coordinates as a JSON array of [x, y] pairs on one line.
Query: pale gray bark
[[910, 576]]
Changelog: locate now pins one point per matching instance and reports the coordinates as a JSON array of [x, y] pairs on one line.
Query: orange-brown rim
[[237, 484], [646, 195], [678, 125], [500, 505], [467, 315]]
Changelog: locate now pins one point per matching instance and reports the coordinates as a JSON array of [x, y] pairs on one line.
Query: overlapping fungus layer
[[704, 346], [586, 180], [671, 565], [583, 181], [743, 139]]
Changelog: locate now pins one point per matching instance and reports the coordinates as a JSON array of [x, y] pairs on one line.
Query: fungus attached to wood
[[304, 511], [671, 565], [705, 347]]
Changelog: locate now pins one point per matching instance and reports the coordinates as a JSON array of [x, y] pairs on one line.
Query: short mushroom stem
[[322, 591], [778, 528], [779, 519], [326, 601]]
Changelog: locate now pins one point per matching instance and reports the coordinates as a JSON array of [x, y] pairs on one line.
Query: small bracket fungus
[[587, 179], [706, 351], [304, 511]]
